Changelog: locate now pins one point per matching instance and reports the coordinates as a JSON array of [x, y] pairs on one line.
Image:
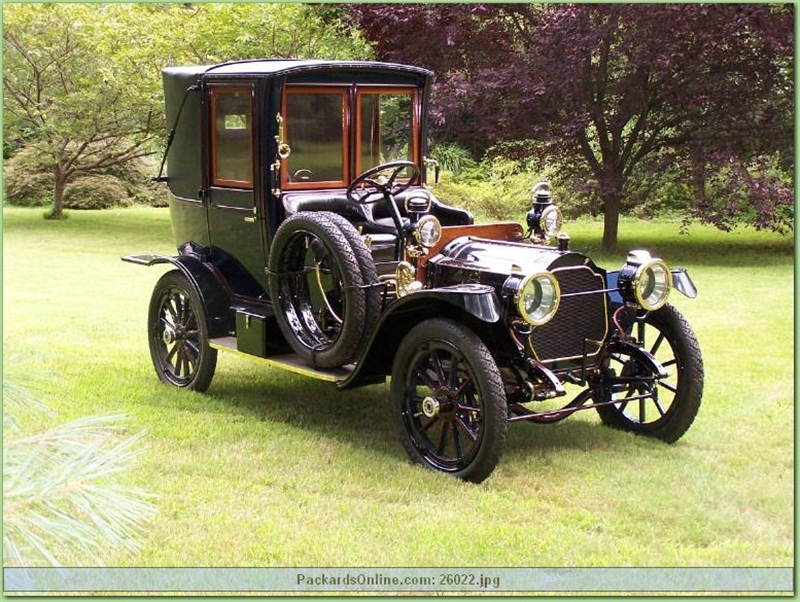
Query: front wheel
[[449, 401], [178, 334], [658, 407]]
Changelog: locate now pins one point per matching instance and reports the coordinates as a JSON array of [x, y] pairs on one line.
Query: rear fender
[[210, 286]]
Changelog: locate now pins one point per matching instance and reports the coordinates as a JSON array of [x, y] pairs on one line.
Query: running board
[[290, 362]]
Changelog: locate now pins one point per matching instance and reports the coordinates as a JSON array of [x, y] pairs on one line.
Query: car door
[[236, 240]]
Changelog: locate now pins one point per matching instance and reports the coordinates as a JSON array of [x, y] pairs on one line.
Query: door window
[[232, 137]]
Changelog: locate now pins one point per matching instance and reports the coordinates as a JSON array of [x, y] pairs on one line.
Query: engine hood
[[471, 259]]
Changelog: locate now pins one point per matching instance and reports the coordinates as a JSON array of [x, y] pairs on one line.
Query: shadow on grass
[[363, 417], [360, 417]]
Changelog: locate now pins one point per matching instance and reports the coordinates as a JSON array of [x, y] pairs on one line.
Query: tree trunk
[[611, 187], [610, 221], [59, 185]]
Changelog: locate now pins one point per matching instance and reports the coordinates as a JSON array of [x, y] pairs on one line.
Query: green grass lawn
[[272, 469]]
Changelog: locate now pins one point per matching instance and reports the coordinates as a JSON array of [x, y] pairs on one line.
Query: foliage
[[69, 91], [453, 158], [95, 192], [757, 193], [82, 82], [605, 88], [497, 188], [217, 32], [28, 184], [62, 499], [24, 182]]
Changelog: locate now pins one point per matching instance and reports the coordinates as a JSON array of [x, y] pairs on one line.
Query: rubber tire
[[493, 432], [173, 361], [689, 388], [291, 301], [373, 299]]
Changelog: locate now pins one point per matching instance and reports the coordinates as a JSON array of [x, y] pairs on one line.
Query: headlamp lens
[[538, 298], [651, 284], [551, 221], [428, 231]]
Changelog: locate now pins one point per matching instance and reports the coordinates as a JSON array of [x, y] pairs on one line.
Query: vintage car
[[307, 238]]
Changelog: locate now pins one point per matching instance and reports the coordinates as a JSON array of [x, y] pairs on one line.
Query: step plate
[[290, 362]]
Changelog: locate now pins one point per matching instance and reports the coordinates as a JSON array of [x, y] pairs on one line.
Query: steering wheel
[[380, 182]]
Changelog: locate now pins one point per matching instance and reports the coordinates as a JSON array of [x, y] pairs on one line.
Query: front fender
[[211, 288], [472, 304], [636, 351], [683, 283], [478, 300]]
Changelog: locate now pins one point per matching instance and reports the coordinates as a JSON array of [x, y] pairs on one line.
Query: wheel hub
[[430, 407], [168, 336]]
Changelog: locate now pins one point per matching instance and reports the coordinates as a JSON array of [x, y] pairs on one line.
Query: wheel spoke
[[668, 387], [462, 388], [191, 345], [463, 407], [428, 425], [659, 407], [187, 365], [657, 344], [438, 367], [166, 321], [170, 312], [457, 444], [422, 375], [180, 309], [473, 436], [453, 380], [442, 438], [171, 354]]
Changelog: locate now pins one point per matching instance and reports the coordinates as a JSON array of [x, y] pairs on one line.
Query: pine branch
[[62, 490]]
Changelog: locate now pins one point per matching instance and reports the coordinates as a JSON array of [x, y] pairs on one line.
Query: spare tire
[[316, 290], [373, 298]]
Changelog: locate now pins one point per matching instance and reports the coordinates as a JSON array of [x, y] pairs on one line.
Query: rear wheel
[[449, 400], [665, 407], [178, 334]]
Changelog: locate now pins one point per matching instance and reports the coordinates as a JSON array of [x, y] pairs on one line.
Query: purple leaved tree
[[612, 90]]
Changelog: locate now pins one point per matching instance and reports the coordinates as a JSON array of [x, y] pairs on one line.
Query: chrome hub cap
[[430, 407], [169, 336]]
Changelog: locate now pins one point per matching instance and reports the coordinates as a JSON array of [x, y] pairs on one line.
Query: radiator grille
[[578, 318]]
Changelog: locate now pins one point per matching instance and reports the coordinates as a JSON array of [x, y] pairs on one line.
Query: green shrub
[[24, 182], [28, 183], [453, 158], [96, 192], [135, 176], [497, 188]]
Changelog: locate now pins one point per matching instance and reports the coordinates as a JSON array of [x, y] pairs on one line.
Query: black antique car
[[306, 237]]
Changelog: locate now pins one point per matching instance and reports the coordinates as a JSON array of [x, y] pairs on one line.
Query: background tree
[[68, 91], [605, 90], [82, 82]]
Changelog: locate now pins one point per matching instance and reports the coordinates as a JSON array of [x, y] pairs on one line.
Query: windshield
[[316, 130], [386, 128]]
